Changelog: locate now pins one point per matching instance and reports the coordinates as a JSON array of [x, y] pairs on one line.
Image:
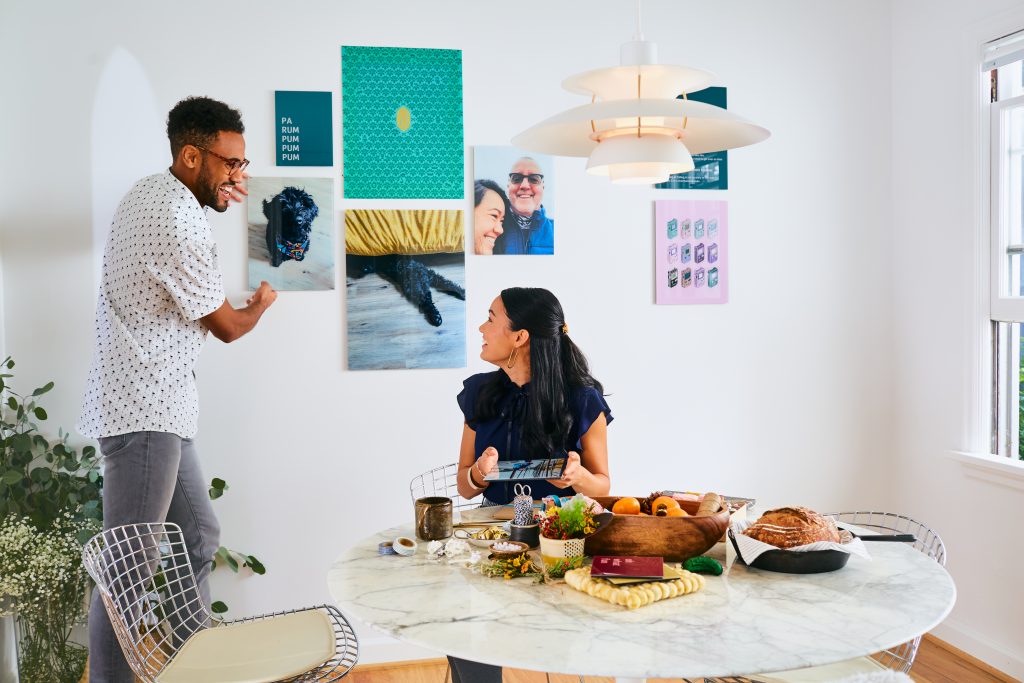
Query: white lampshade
[[575, 132], [636, 129], [654, 81], [632, 160]]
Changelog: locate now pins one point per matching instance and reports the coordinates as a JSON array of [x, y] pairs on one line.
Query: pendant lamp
[[635, 130]]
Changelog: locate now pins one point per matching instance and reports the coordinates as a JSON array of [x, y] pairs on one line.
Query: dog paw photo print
[[291, 233]]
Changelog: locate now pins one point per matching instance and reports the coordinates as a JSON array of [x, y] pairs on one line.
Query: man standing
[[161, 291], [528, 230]]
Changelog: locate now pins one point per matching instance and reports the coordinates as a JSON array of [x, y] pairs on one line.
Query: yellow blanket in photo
[[376, 232]]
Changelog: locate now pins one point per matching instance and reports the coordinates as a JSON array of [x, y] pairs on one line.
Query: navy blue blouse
[[505, 430]]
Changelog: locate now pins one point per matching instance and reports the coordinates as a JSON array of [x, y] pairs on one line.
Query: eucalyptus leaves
[[232, 559], [40, 479], [50, 505]]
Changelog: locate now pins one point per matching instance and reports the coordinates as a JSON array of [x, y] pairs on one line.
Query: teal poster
[[303, 128], [711, 170], [402, 130]]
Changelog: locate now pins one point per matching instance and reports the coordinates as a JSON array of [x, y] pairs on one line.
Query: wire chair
[[150, 593], [901, 657], [440, 481]]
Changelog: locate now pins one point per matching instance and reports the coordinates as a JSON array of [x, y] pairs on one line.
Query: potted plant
[[49, 506], [563, 532]]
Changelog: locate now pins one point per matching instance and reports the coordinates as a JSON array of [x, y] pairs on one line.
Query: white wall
[[784, 394], [939, 317]]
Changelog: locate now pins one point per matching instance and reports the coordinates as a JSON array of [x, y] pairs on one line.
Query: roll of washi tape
[[385, 548], [404, 546]]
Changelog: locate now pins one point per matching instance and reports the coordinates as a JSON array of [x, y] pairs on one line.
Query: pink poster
[[691, 252]]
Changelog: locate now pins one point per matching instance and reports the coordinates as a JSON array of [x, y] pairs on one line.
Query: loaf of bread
[[790, 527]]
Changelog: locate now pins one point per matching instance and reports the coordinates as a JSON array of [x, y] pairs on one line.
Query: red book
[[628, 566]]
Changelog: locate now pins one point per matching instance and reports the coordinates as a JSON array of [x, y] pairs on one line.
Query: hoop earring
[[512, 358]]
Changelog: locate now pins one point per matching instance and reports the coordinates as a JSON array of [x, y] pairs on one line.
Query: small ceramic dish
[[478, 542], [506, 550]]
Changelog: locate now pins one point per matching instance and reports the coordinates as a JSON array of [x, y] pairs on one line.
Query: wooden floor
[[934, 664]]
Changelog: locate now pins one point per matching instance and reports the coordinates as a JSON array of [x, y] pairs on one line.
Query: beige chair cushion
[[254, 652], [827, 673]]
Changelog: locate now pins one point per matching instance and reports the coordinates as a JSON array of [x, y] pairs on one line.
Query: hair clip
[[565, 328]]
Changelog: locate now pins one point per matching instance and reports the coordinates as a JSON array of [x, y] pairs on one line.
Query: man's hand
[[264, 296], [239, 191]]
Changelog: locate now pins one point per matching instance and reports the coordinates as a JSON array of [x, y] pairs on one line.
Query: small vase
[[555, 551]]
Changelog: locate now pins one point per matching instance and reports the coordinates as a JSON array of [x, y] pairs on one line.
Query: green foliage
[[39, 478], [217, 488], [558, 569], [575, 519], [50, 505], [225, 557], [1020, 408]]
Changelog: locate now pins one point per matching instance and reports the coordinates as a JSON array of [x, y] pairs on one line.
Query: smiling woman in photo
[[490, 206]]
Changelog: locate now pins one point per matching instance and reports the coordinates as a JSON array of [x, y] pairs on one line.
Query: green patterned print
[[402, 131]]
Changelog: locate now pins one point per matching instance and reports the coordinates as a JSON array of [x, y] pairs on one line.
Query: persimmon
[[664, 502], [626, 506], [675, 512]]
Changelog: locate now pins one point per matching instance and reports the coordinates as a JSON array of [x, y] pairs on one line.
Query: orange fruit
[[675, 512], [626, 506], [664, 501]]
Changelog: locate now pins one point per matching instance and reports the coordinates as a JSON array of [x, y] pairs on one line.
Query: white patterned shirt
[[160, 276]]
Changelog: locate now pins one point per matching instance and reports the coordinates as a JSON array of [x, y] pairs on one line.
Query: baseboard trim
[[402, 664], [964, 641]]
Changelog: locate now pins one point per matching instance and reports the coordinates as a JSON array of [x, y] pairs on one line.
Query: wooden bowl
[[674, 538], [508, 554]]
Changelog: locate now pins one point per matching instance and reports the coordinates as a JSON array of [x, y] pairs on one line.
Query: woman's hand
[[574, 473], [487, 461]]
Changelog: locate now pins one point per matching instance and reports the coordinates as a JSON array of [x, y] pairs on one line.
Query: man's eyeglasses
[[232, 164], [518, 178]]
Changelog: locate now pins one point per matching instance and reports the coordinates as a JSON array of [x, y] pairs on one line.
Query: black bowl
[[789, 562]]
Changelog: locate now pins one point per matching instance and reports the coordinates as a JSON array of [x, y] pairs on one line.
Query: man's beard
[[209, 192]]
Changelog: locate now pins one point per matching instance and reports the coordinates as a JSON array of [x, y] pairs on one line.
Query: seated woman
[[541, 402]]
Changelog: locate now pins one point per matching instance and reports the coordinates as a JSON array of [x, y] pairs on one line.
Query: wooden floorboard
[[934, 664], [386, 331]]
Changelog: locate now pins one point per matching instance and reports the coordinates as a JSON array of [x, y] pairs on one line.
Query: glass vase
[[46, 652]]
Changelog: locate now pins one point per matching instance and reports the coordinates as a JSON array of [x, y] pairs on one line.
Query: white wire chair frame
[[440, 481], [901, 657], [145, 580]]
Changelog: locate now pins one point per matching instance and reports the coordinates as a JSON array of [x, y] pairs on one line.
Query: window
[[1004, 65]]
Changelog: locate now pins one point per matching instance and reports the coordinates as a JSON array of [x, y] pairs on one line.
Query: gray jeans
[[150, 477]]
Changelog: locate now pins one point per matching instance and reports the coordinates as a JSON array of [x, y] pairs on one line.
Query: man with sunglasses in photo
[[161, 292], [528, 229]]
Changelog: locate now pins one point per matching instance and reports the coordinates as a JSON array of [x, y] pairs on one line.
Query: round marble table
[[745, 621]]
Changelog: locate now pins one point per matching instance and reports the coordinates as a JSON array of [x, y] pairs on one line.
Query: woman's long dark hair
[[480, 188], [557, 368]]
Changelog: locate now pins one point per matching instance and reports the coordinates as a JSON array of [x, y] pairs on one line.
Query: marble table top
[[745, 621]]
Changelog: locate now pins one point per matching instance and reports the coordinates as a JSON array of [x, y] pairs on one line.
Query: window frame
[[1000, 358]]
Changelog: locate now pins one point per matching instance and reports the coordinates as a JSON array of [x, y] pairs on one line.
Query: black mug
[[527, 533]]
